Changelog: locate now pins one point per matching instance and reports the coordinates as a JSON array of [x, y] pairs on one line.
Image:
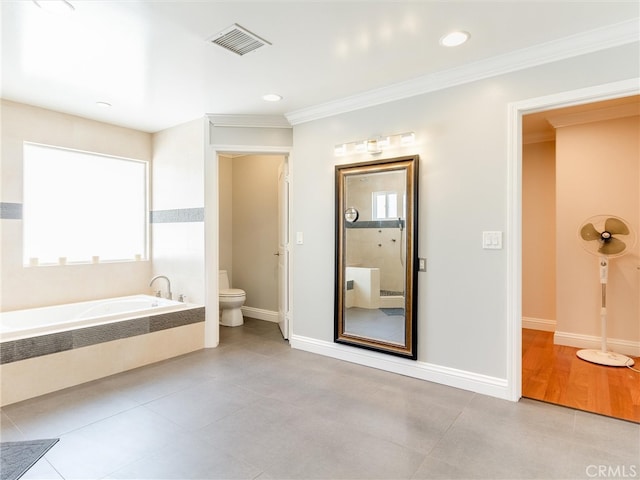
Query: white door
[[283, 248]]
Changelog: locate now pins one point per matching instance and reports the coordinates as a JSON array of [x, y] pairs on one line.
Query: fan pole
[[602, 356]]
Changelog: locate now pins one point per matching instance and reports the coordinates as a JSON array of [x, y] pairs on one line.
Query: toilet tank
[[223, 280]]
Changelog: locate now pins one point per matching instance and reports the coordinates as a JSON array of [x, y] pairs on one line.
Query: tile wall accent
[[22, 349], [10, 211], [375, 224], [13, 211], [177, 215]]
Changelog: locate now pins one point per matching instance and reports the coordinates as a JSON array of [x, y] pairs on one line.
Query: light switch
[[422, 264], [299, 238], [492, 240]]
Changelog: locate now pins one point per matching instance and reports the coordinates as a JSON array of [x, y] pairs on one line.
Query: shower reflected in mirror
[[376, 211]]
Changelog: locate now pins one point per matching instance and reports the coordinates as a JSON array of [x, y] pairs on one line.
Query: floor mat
[[18, 457]]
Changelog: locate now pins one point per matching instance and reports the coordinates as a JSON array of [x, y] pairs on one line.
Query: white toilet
[[230, 299]]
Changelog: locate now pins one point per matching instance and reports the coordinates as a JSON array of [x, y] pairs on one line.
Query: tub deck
[[34, 361]]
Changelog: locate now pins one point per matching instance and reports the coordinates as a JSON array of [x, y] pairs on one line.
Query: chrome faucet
[[169, 294]]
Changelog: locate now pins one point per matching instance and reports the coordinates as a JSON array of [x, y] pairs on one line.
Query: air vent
[[238, 40]]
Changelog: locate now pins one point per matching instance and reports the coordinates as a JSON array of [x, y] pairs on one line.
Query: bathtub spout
[[169, 294]]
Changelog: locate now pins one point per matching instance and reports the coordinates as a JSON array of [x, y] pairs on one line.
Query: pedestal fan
[[606, 237]]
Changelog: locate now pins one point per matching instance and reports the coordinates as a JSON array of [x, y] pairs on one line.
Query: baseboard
[[578, 340], [474, 382], [260, 314], [539, 324]]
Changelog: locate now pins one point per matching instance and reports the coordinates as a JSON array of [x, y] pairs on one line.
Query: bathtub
[[46, 320], [50, 348]]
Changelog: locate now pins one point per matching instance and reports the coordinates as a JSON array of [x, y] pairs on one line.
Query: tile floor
[[256, 409]]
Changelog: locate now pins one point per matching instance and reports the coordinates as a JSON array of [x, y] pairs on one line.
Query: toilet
[[230, 299]]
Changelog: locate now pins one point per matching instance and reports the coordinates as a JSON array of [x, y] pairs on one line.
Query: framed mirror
[[376, 258]]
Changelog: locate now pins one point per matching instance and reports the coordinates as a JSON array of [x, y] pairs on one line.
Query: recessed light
[[55, 6], [454, 39], [272, 97], [103, 104]]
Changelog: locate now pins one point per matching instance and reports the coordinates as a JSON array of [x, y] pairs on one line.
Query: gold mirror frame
[[346, 218]]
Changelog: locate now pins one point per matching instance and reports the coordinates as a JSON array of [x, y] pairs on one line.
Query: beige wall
[[225, 235], [255, 229], [24, 287], [597, 173], [539, 232]]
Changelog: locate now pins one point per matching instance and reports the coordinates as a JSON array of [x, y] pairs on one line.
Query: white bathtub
[[59, 318], [49, 348]]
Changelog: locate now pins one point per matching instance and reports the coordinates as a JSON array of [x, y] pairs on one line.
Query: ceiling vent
[[238, 40]]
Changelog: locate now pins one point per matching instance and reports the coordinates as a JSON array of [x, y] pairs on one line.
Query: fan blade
[[616, 227], [589, 232], [612, 246]]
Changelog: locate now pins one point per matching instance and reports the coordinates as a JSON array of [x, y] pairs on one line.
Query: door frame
[[514, 206], [212, 229]]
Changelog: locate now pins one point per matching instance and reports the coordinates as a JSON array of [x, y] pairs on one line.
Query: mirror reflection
[[375, 220]]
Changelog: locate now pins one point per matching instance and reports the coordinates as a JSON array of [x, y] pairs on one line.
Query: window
[[385, 205], [81, 205]]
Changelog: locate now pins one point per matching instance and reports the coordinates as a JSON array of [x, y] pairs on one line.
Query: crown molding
[[597, 115], [538, 137], [579, 44]]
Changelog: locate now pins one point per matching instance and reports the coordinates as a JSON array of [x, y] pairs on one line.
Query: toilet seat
[[231, 292]]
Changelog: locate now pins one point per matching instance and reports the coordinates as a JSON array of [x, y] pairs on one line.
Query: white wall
[[25, 287], [178, 199], [462, 141], [376, 247]]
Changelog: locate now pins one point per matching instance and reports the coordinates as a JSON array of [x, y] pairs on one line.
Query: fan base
[[610, 359]]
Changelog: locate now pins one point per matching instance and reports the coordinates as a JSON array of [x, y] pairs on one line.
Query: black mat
[[18, 457], [393, 311]]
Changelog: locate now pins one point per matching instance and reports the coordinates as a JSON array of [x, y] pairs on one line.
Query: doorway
[[252, 245], [554, 327]]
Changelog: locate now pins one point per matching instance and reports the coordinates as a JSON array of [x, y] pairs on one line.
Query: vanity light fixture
[[384, 142], [407, 138], [376, 144], [58, 7], [360, 147], [372, 146], [454, 39]]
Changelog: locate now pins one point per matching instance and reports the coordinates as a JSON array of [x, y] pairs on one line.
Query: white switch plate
[[422, 264], [492, 240], [299, 238]]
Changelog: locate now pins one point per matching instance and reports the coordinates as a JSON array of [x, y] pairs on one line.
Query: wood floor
[[553, 373]]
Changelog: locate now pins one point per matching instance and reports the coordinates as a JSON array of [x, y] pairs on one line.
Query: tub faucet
[[169, 294]]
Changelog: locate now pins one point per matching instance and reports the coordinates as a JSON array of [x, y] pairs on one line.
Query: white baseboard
[[578, 340], [539, 324], [260, 314], [474, 382]]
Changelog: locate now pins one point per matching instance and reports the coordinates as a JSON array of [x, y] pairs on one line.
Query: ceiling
[[152, 61]]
